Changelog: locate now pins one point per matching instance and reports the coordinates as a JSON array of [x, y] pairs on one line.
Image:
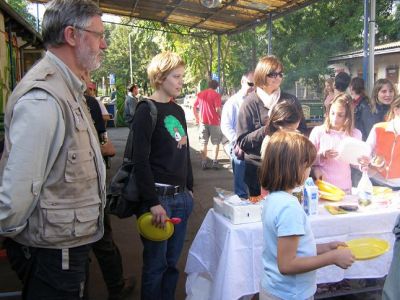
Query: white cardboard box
[[238, 214]]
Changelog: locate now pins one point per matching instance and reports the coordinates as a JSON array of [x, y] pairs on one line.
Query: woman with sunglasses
[[254, 115]]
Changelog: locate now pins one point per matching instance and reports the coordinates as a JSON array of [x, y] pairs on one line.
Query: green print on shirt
[[176, 130]]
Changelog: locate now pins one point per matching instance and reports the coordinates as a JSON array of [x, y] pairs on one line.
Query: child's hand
[[335, 244], [326, 247], [330, 154], [343, 257], [364, 162]]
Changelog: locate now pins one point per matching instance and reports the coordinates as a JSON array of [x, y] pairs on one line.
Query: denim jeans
[[391, 289], [251, 179], [238, 167], [159, 273], [41, 273]]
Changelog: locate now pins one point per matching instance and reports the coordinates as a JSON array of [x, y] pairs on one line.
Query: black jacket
[[253, 116], [365, 119]]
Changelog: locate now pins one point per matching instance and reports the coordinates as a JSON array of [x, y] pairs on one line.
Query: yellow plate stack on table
[[379, 190], [328, 191], [367, 248]]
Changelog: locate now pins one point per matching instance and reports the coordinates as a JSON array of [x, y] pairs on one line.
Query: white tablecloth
[[224, 261]]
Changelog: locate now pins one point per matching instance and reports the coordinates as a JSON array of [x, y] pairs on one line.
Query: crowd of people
[[53, 192]]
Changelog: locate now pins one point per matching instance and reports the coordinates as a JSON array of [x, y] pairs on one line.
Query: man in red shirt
[[207, 111]]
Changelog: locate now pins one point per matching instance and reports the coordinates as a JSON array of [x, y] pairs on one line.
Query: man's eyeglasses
[[100, 35], [275, 74], [250, 83]]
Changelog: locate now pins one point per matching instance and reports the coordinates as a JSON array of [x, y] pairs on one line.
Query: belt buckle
[[176, 190]]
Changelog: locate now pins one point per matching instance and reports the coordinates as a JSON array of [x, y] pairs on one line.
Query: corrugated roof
[[230, 17], [20, 25], [379, 50]]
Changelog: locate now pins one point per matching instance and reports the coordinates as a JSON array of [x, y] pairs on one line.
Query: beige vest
[[69, 211]]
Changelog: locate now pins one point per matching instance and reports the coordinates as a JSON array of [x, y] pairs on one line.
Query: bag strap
[[129, 143]]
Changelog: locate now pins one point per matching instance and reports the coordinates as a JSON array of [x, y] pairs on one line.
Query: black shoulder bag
[[122, 195]]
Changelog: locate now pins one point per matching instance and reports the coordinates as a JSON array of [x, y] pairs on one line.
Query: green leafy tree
[[21, 7]]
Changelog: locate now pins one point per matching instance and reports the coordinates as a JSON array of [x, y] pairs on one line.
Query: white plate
[[350, 149]]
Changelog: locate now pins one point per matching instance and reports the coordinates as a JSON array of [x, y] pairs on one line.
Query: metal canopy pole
[[130, 56], [219, 62], [371, 62], [270, 34], [365, 44]]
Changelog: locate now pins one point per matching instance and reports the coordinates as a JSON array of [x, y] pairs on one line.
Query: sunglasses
[[250, 83], [275, 74]]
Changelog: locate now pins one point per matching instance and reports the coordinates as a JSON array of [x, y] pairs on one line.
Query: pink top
[[208, 101], [334, 171]]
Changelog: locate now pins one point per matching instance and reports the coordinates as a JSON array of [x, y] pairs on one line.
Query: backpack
[[122, 195]]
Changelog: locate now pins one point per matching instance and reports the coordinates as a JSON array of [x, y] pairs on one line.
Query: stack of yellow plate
[[328, 191], [379, 190]]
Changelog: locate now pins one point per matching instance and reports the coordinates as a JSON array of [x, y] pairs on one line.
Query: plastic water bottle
[[365, 189], [310, 199]]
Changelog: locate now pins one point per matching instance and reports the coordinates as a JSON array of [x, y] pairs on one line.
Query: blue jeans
[[238, 168], [159, 273], [391, 288]]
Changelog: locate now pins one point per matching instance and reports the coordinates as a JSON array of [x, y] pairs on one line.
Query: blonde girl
[[337, 126]]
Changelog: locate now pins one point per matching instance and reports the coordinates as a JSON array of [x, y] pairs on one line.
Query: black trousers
[[42, 274], [109, 258]]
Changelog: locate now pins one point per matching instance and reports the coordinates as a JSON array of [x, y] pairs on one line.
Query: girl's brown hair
[[345, 101], [377, 87], [329, 89], [265, 66], [287, 156], [393, 105], [282, 114]]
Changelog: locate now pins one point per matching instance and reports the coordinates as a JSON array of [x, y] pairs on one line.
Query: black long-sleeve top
[[161, 156], [253, 116], [365, 119]]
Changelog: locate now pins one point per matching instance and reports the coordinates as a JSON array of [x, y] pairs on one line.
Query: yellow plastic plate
[[330, 196], [377, 190], [367, 248], [151, 232], [334, 210], [329, 188]]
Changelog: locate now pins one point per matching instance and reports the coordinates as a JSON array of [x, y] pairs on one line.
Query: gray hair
[[62, 13]]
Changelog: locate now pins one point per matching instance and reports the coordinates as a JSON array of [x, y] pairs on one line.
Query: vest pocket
[[76, 222], [80, 165], [59, 223], [86, 220]]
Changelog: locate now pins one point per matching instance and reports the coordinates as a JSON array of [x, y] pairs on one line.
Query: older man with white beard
[[52, 173]]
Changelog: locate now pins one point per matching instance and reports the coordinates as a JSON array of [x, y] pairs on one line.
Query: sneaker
[[215, 165], [204, 165]]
